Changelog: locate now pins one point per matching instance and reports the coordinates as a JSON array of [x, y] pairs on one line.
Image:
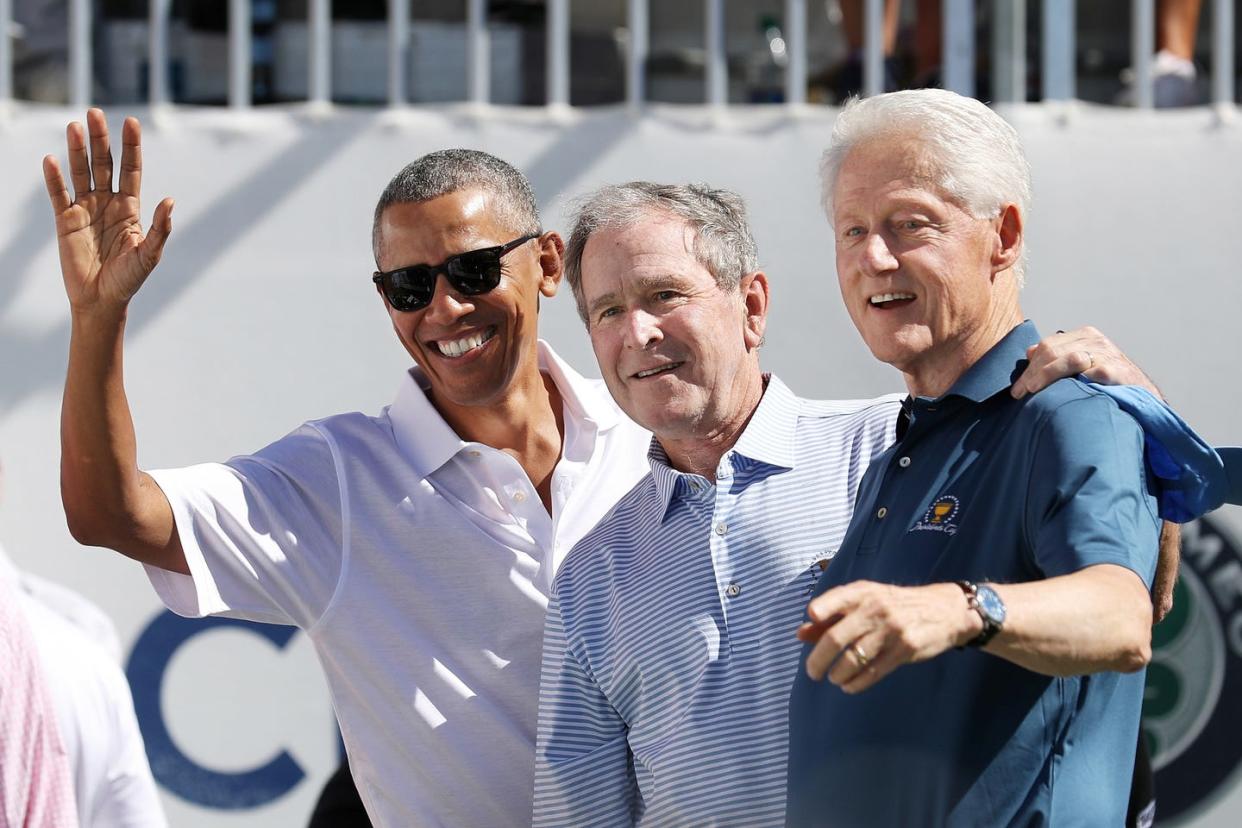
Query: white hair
[[975, 157]]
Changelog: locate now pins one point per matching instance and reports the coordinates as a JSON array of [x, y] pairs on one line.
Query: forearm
[[108, 500], [1098, 618]]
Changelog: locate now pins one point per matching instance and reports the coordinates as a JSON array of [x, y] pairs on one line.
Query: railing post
[[398, 51], [240, 54], [1142, 45], [478, 58], [1222, 54], [558, 53], [6, 53], [717, 64], [873, 47], [320, 33], [1009, 50], [795, 48], [1058, 50], [958, 46], [636, 59], [80, 54]]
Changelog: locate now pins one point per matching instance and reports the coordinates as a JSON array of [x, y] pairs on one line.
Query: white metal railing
[[1008, 45]]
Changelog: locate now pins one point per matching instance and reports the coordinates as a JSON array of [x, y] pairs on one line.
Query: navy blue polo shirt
[[984, 487]]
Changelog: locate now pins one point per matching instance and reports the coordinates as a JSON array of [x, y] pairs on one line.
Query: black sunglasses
[[473, 272]]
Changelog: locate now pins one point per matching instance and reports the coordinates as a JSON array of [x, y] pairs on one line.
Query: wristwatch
[[984, 600]]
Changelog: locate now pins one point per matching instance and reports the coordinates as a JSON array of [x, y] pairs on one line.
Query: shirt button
[[733, 590], [904, 462], [475, 453], [881, 512], [520, 497], [721, 528], [722, 474]]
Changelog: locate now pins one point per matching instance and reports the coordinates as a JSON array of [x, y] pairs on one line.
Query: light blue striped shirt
[[669, 649]]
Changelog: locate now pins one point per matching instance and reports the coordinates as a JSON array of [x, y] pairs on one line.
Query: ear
[[754, 288], [551, 262], [1008, 247]]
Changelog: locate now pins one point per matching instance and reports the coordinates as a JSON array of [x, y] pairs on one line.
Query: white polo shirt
[[420, 566]]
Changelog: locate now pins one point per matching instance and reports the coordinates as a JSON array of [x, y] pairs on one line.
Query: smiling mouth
[[890, 300], [454, 348], [663, 369]]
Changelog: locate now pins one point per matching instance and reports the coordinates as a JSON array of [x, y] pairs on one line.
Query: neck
[[700, 453], [527, 423], [936, 376]]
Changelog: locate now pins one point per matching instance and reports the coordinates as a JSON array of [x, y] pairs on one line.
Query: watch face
[[990, 604]]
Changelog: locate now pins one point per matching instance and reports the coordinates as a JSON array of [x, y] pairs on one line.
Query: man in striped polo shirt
[[669, 649]]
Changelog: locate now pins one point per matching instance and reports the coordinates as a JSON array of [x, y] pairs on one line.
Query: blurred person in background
[[36, 781], [80, 658]]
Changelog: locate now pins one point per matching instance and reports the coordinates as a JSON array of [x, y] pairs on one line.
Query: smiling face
[[927, 284], [471, 348], [678, 353]]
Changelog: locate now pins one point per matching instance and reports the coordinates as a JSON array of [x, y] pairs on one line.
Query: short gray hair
[[447, 171], [722, 243], [976, 157]]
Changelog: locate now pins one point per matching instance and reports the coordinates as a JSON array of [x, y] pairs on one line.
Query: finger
[[152, 246], [835, 602], [79, 167], [856, 658], [1040, 374], [131, 158], [879, 667], [101, 150], [56, 191], [833, 642]]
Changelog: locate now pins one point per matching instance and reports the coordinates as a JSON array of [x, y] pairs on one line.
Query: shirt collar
[[767, 439], [429, 442], [998, 368]]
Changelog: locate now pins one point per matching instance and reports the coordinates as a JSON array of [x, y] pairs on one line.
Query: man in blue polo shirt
[[985, 625]]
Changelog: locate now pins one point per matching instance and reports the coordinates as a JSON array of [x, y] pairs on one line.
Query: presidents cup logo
[[941, 516], [1192, 705]]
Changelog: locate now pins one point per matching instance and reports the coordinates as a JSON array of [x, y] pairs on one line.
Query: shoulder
[[1071, 409], [626, 527], [850, 411]]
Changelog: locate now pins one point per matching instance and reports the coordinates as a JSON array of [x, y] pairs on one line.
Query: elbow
[[1135, 657], [1135, 647], [85, 526]]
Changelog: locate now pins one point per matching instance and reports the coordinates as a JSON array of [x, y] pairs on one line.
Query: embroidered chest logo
[[816, 568], [941, 516]]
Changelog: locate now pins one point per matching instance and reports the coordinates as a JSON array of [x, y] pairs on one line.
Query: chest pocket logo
[[941, 516]]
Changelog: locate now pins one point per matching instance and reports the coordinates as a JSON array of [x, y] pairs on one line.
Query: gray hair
[[447, 171], [975, 156], [722, 239]]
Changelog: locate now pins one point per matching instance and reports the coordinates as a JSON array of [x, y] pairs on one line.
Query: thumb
[[152, 246]]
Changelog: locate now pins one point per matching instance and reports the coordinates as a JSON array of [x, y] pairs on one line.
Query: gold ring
[[860, 654]]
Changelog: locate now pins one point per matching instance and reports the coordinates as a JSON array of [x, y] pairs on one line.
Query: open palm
[[104, 254]]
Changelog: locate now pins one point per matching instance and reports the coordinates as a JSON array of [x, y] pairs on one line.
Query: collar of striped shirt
[[768, 439]]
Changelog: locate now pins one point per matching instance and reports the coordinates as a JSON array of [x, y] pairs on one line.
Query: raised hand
[[104, 254]]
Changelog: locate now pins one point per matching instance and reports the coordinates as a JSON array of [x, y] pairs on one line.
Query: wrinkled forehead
[[885, 166], [454, 222]]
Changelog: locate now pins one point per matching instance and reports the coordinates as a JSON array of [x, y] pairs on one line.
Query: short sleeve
[[262, 533], [1088, 497]]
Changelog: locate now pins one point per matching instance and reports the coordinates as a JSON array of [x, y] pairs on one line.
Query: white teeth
[[457, 347], [889, 297], [651, 372]]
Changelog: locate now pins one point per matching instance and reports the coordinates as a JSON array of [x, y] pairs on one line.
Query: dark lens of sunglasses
[[476, 272], [410, 289]]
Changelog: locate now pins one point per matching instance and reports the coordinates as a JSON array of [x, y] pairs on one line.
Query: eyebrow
[[642, 283]]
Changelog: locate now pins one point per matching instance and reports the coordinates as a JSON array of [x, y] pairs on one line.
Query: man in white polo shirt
[[416, 548]]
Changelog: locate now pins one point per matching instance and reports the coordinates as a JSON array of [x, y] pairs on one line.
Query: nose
[[877, 256], [447, 305], [642, 331]]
